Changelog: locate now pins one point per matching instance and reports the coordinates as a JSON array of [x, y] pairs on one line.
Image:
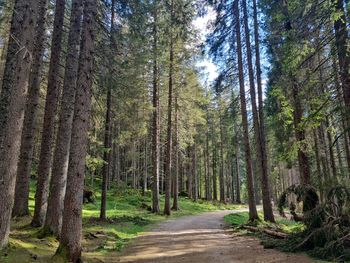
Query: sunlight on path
[[200, 239]]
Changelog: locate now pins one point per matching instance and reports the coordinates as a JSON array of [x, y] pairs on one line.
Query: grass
[[127, 216], [286, 225]]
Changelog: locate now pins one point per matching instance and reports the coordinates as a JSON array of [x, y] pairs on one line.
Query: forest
[[174, 131]]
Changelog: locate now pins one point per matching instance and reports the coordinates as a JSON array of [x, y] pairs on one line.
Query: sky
[[209, 69]]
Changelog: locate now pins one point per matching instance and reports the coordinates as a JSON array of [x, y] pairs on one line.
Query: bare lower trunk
[[215, 189], [222, 174], [20, 207], [194, 173], [253, 214], [176, 157], [341, 42], [53, 219], [300, 137], [107, 155], [70, 240], [13, 99], [257, 120], [45, 160], [238, 172], [168, 155], [155, 121]]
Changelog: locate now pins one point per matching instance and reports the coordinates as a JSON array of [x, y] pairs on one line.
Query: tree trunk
[[45, 160], [257, 120], [194, 173], [176, 157], [107, 138], [145, 168], [207, 165], [341, 42], [70, 240], [318, 163], [331, 151], [300, 137], [155, 120], [266, 191], [53, 221], [253, 214], [20, 207], [189, 173], [168, 156], [222, 174], [238, 172], [13, 100], [215, 191]]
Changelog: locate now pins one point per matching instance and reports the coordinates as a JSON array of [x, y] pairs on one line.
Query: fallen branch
[[267, 231]]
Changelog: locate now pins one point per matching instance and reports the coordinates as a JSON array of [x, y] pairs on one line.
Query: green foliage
[[242, 218]]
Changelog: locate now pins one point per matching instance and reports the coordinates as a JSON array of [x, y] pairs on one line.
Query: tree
[[253, 214], [20, 207], [155, 118], [70, 239], [53, 219], [176, 156], [53, 87], [13, 98], [168, 160], [260, 142], [107, 139]]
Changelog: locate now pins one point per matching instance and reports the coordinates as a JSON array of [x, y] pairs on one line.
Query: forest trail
[[202, 238]]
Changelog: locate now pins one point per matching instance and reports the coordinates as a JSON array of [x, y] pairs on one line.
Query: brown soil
[[203, 239]]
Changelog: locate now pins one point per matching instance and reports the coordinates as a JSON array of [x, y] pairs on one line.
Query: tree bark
[[257, 116], [45, 160], [53, 221], [222, 174], [207, 165], [168, 156], [331, 150], [341, 42], [253, 214], [70, 240], [300, 137], [215, 191], [194, 173], [155, 119], [20, 207], [238, 172], [13, 99], [107, 138], [176, 157]]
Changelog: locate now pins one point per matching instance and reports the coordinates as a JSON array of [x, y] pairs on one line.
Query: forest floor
[[201, 238], [128, 217]]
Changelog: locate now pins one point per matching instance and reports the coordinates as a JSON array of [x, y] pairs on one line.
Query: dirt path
[[203, 239]]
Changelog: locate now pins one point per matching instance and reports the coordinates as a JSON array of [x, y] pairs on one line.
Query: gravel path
[[203, 238]]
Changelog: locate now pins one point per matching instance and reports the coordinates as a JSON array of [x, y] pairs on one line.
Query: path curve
[[204, 239]]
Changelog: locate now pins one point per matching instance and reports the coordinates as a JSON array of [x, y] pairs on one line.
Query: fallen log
[[267, 231]]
